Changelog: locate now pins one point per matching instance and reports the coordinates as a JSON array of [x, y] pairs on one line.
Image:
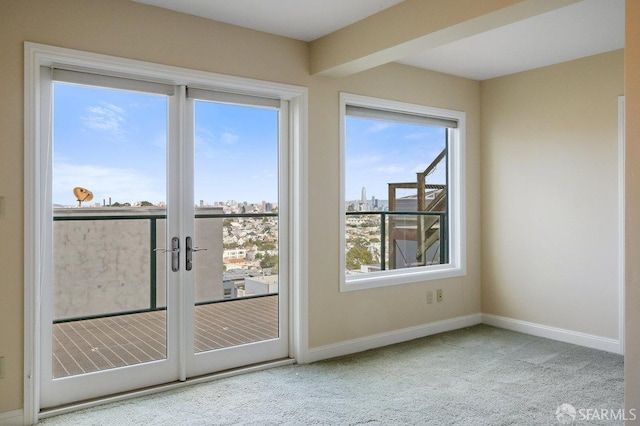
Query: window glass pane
[[236, 194], [395, 195], [109, 193]]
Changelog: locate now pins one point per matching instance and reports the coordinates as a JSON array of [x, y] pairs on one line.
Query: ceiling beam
[[414, 26]]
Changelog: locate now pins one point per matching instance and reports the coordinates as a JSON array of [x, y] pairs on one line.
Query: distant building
[[234, 254], [261, 285]]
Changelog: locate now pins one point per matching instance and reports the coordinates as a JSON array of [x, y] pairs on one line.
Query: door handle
[[175, 253], [190, 250]]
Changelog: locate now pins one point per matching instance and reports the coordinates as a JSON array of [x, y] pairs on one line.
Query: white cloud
[[121, 184], [207, 136], [205, 140], [229, 138], [363, 160], [421, 167], [107, 117], [269, 173], [418, 135], [378, 127], [390, 170]]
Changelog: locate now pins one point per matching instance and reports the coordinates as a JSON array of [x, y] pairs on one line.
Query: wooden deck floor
[[92, 345]]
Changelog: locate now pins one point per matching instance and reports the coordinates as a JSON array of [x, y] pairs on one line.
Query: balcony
[[109, 292], [109, 298], [395, 240], [118, 340]]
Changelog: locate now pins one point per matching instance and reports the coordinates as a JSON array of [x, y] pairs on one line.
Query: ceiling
[[304, 20], [582, 29]]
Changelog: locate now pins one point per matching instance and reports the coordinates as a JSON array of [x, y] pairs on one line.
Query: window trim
[[457, 199], [37, 56]]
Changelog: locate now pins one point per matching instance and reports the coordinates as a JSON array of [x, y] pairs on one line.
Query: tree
[[357, 241], [145, 204], [269, 261], [357, 256], [264, 245]]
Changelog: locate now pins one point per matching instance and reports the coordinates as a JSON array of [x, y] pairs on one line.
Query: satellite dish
[[82, 194]]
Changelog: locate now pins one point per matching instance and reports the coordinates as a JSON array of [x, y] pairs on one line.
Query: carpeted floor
[[476, 376]]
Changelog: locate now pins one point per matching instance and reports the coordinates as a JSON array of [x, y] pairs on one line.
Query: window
[[402, 192]]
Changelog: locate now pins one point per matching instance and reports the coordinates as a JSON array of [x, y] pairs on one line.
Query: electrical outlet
[[1, 367], [439, 295], [429, 296]]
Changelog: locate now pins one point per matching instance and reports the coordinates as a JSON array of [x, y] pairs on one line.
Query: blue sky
[[381, 152], [236, 154], [114, 144]]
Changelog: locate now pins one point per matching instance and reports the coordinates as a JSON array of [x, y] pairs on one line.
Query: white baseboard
[[390, 338], [403, 335], [568, 336], [12, 418]]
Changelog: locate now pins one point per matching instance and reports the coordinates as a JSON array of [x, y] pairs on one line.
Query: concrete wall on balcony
[[104, 266], [100, 266], [207, 263]]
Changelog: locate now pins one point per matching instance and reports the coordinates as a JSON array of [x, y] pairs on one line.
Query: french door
[[167, 244]]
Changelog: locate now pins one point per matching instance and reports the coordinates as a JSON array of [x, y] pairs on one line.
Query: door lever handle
[[175, 253], [190, 250], [164, 250]]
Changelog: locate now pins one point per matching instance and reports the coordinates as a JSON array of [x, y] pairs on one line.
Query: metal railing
[[384, 215], [153, 253]]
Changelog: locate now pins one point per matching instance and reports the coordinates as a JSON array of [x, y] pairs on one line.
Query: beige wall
[[131, 30], [550, 195], [632, 213]]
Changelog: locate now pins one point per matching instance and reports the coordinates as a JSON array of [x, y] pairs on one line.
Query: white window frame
[[456, 197], [40, 55]]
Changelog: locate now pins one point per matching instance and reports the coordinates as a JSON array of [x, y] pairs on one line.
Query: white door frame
[[38, 55], [621, 222]]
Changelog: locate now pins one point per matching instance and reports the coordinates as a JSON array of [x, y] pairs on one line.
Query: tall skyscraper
[[364, 195]]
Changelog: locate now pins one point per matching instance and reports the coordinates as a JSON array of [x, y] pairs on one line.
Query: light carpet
[[475, 376]]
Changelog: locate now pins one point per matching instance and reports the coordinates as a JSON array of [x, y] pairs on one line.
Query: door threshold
[[81, 405]]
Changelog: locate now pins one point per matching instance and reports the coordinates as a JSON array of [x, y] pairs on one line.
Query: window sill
[[391, 278]]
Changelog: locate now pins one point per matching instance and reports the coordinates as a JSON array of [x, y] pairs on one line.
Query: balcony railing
[[424, 228], [155, 262]]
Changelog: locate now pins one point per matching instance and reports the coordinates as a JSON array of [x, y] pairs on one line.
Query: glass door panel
[[236, 225], [109, 220], [166, 242]]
